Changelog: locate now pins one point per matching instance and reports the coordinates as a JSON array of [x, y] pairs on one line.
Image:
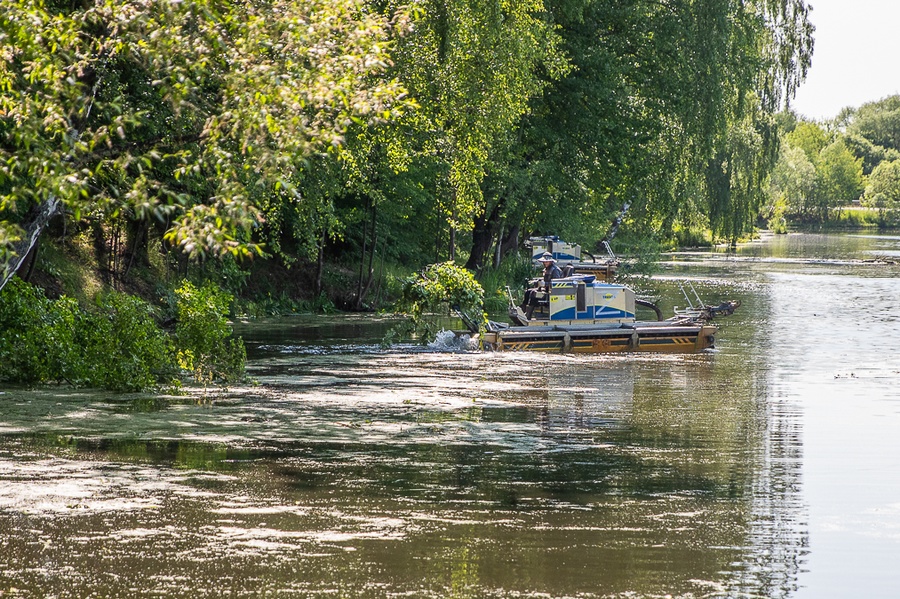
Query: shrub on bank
[[124, 343], [28, 333], [116, 343], [202, 334]]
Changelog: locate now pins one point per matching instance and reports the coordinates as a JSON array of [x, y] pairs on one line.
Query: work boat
[[584, 315]]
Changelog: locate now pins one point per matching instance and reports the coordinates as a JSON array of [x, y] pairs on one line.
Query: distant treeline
[[825, 167]]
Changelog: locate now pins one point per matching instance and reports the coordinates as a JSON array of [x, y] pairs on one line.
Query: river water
[[768, 467]]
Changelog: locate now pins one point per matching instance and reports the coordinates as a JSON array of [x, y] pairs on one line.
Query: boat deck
[[669, 337]]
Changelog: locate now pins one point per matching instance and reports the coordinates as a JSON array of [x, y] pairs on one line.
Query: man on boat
[[534, 295]]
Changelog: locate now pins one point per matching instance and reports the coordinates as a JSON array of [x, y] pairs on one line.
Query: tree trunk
[[33, 229], [137, 247], [510, 242], [320, 263], [362, 255], [380, 286], [452, 252], [374, 245], [370, 279], [29, 262], [483, 237], [366, 279], [439, 237]]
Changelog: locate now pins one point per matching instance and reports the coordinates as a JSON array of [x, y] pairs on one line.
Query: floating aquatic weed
[[338, 349]]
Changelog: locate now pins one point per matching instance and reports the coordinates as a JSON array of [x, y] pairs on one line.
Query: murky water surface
[[769, 467]]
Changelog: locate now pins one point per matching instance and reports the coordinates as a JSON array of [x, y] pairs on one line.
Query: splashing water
[[448, 341]]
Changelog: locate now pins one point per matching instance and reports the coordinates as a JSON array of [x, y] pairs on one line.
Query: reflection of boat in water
[[586, 313]]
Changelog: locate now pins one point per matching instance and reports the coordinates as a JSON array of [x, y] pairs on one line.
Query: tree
[[883, 189], [793, 182], [667, 107], [743, 166], [879, 122], [838, 178], [872, 154], [433, 117], [473, 66], [190, 112], [873, 132], [809, 137]]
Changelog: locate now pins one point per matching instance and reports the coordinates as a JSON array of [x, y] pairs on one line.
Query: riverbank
[[71, 266]]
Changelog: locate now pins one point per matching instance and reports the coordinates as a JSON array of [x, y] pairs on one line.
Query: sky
[[856, 57]]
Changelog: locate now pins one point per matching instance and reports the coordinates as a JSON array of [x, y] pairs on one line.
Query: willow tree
[[191, 111], [667, 106], [768, 53], [473, 66]]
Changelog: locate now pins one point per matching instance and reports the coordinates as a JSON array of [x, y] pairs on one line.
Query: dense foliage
[[190, 113], [203, 336], [116, 343], [826, 167], [340, 130]]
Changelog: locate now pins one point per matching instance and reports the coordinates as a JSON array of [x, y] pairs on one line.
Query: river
[[768, 467]]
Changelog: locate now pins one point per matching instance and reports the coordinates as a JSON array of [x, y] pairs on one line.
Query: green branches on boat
[[430, 294]]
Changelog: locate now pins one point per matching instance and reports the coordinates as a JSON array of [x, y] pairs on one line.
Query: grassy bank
[[70, 266], [847, 219]]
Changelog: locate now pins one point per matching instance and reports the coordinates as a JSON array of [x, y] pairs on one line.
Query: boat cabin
[[582, 299], [569, 255], [559, 249]]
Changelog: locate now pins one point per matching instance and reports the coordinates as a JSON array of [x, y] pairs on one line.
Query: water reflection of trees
[[702, 449], [778, 536]]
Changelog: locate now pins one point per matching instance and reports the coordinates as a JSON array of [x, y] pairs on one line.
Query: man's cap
[[547, 257]]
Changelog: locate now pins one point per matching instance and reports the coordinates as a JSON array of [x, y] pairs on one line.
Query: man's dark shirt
[[551, 273]]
